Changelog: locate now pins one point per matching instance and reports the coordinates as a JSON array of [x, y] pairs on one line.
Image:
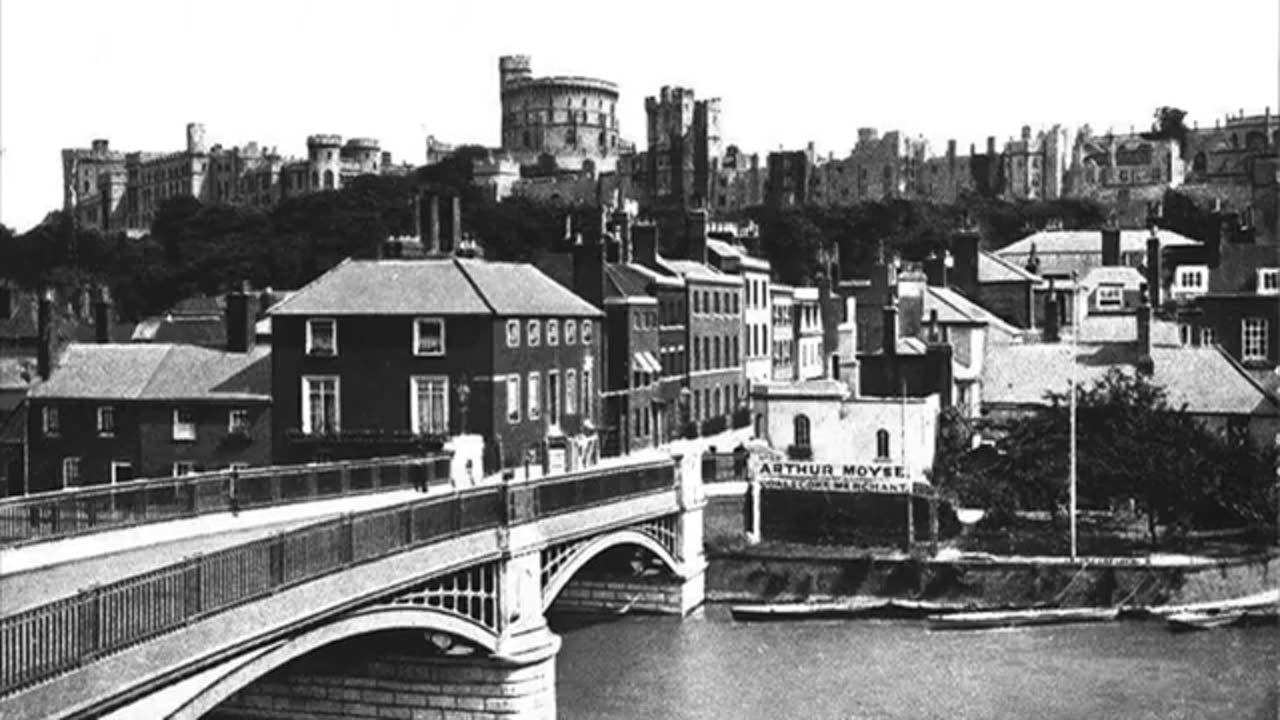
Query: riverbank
[[758, 575]]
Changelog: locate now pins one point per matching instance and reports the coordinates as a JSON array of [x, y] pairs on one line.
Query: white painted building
[[823, 420], [808, 328]]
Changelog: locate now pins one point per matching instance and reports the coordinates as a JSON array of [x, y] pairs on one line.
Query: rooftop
[[1205, 379], [954, 308], [158, 372], [1112, 275], [993, 269], [729, 250], [451, 286], [1087, 244], [693, 270]]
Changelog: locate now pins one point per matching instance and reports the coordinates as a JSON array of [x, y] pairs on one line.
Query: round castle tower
[[324, 156]]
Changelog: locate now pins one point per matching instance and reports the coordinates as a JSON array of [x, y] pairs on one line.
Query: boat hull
[[1020, 618]]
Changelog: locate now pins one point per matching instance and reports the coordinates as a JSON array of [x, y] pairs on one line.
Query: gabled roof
[[1203, 378], [621, 282], [954, 308], [994, 269], [452, 286], [158, 372]]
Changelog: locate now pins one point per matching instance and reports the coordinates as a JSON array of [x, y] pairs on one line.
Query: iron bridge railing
[[44, 642], [65, 513]]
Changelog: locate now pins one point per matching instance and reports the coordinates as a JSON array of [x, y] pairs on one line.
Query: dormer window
[[1191, 279], [1269, 281], [322, 337], [1110, 297], [428, 337]]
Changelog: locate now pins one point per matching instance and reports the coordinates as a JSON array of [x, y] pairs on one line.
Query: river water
[[709, 666]]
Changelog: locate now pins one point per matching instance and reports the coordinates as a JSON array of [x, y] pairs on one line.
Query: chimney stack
[[1146, 364], [964, 250], [622, 228], [102, 317], [644, 244], [240, 324], [696, 227], [1153, 268], [588, 269], [455, 224], [1051, 332], [935, 268], [433, 225], [889, 333], [44, 328], [1110, 246]]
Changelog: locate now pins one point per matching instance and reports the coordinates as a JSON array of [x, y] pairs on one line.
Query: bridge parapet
[[66, 513]]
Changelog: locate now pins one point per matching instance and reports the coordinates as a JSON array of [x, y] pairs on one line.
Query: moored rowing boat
[[1020, 618]]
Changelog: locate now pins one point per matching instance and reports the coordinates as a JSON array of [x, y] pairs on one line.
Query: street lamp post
[[1075, 334]]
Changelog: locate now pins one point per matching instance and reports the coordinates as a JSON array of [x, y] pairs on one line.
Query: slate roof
[[654, 276], [994, 269], [1112, 275], [698, 271], [451, 286], [623, 282], [1204, 378], [729, 250], [1123, 328], [158, 372], [1089, 241], [955, 308]]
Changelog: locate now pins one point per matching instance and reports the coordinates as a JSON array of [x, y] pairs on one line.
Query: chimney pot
[[240, 323]]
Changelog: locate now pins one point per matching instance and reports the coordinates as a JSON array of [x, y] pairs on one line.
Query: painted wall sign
[[836, 477]]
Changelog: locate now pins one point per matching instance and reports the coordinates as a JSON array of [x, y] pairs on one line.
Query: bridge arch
[[232, 676], [589, 549]]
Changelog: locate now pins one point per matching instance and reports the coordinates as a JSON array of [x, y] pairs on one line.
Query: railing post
[[277, 560], [90, 605], [192, 494], [347, 536], [193, 582]]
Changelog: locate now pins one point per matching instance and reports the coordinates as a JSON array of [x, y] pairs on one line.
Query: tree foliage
[[1134, 446]]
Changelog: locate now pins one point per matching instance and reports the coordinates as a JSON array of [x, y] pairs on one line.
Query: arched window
[[315, 178], [718, 401], [328, 179], [1199, 163], [715, 353], [882, 444], [800, 427]]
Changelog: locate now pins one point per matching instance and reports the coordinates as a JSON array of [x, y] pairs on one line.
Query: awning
[[645, 362]]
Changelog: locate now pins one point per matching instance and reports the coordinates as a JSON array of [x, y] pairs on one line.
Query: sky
[[274, 71]]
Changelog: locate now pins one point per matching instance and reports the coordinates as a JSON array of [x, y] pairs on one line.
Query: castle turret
[[195, 139], [324, 158]]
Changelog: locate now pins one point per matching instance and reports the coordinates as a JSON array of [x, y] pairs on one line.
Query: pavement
[[36, 574]]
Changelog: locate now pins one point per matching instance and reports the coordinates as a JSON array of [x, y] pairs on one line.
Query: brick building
[[110, 412], [391, 356]]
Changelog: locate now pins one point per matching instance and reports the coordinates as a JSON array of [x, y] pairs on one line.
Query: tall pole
[[902, 441], [1075, 334]]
